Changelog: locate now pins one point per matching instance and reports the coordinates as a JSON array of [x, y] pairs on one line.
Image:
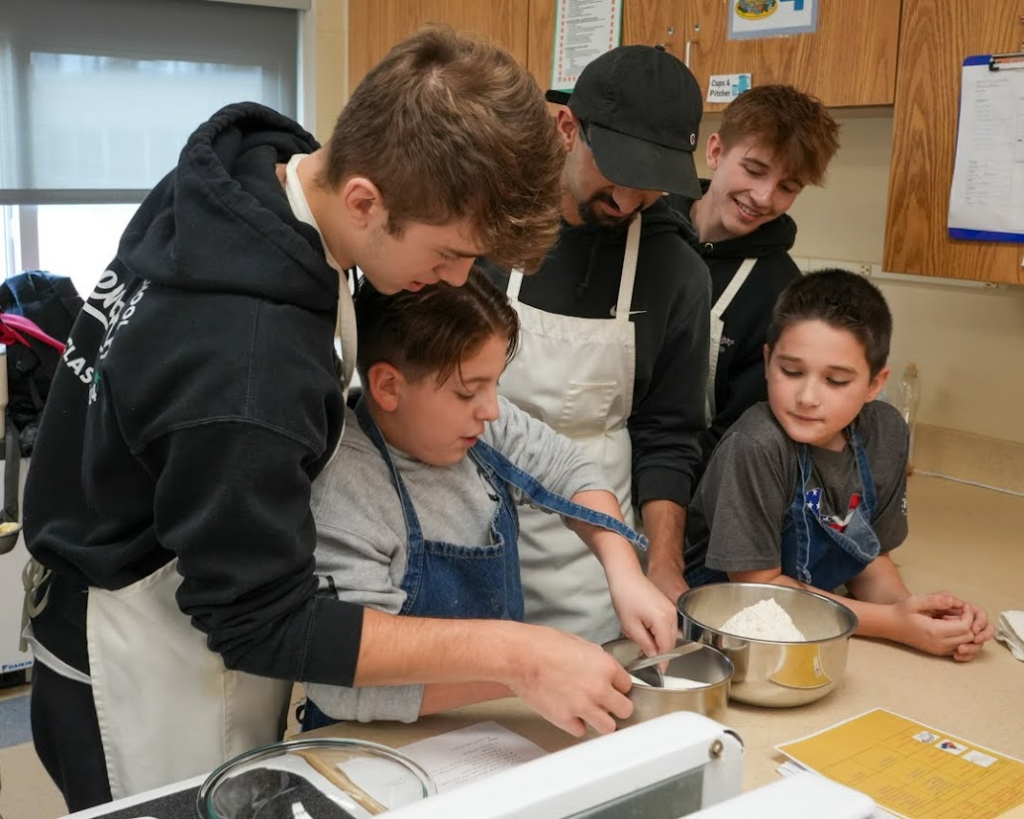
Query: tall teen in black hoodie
[[773, 141], [168, 499]]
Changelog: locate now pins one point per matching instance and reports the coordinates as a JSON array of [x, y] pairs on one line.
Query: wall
[[329, 68], [967, 340]]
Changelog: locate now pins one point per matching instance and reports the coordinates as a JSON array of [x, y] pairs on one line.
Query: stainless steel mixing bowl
[[772, 673], [706, 666]]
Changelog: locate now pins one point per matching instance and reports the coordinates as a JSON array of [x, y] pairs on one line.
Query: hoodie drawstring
[[584, 283]]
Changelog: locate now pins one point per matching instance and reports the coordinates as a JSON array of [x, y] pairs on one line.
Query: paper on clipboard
[[986, 201]]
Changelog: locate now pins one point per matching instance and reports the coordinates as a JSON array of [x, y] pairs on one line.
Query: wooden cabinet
[[850, 60], [376, 25], [935, 40], [541, 41]]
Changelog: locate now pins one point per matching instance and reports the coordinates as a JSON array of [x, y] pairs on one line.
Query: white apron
[[577, 375], [168, 709], [717, 328]]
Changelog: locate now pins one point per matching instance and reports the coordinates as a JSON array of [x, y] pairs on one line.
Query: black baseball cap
[[642, 107]]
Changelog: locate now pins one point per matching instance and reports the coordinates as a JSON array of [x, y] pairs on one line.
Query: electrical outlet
[[865, 269]]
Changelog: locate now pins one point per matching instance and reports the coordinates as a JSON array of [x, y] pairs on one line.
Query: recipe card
[[912, 770]]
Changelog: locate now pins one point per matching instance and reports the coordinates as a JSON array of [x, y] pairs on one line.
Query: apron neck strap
[[515, 282], [625, 300], [346, 320], [628, 277], [734, 287]]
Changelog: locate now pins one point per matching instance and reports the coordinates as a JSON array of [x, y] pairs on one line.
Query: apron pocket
[[586, 408]]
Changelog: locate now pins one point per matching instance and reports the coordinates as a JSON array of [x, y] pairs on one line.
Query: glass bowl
[[313, 779]]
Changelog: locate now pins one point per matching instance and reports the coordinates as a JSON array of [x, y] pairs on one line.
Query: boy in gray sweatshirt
[[422, 520]]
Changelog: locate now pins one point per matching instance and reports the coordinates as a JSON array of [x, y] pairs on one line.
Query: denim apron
[[480, 582], [815, 553], [812, 551]]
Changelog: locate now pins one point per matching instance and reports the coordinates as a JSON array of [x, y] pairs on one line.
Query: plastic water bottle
[[908, 396]]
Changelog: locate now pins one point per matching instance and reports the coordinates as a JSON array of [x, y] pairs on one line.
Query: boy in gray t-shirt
[[808, 489], [422, 519]]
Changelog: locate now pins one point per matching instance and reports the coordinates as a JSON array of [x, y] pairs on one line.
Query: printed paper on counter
[[913, 771], [452, 759]]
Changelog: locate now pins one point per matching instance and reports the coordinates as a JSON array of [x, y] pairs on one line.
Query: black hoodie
[[199, 399], [739, 379], [580, 277]]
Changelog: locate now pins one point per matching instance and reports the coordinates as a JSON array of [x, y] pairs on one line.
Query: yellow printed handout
[[912, 770]]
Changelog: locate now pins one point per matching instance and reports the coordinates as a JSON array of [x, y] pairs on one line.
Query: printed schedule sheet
[[912, 770]]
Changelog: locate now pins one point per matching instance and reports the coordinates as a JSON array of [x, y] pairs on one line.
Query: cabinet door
[[651, 22], [376, 25], [541, 41], [849, 60], [935, 40]]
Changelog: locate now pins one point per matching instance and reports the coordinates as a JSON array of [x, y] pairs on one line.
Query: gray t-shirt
[[361, 533], [734, 523]]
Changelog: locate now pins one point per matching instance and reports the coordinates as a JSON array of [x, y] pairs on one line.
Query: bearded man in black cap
[[614, 344]]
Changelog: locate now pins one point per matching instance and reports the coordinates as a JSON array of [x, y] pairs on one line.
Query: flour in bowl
[[670, 683], [766, 620]]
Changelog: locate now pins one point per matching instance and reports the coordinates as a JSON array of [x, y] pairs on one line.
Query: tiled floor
[[26, 791]]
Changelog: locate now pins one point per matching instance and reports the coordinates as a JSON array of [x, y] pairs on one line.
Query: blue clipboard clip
[[1006, 62]]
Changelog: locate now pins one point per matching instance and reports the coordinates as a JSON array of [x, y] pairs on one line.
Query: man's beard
[[595, 218]]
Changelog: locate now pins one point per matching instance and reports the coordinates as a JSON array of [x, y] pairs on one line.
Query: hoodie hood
[[775, 236], [220, 222]]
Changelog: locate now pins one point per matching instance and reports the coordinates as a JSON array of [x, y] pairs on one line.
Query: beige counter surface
[[963, 539]]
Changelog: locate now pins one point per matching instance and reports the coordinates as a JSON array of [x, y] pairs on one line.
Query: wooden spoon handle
[[337, 777]]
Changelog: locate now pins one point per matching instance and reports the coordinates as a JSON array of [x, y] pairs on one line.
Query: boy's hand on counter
[[981, 629], [647, 616], [569, 681], [936, 623]]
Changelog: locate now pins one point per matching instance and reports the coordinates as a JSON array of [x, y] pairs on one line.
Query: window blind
[[97, 97]]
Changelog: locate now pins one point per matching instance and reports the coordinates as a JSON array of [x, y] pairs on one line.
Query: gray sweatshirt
[[361, 534]]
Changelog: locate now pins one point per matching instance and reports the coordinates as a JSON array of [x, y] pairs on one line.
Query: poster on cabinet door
[[584, 29], [752, 19]]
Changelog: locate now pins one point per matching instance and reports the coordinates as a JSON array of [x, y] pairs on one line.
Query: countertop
[[963, 539]]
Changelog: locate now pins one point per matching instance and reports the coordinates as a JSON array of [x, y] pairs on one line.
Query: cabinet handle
[[686, 55]]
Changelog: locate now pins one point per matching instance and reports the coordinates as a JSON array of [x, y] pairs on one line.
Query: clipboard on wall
[[986, 201]]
